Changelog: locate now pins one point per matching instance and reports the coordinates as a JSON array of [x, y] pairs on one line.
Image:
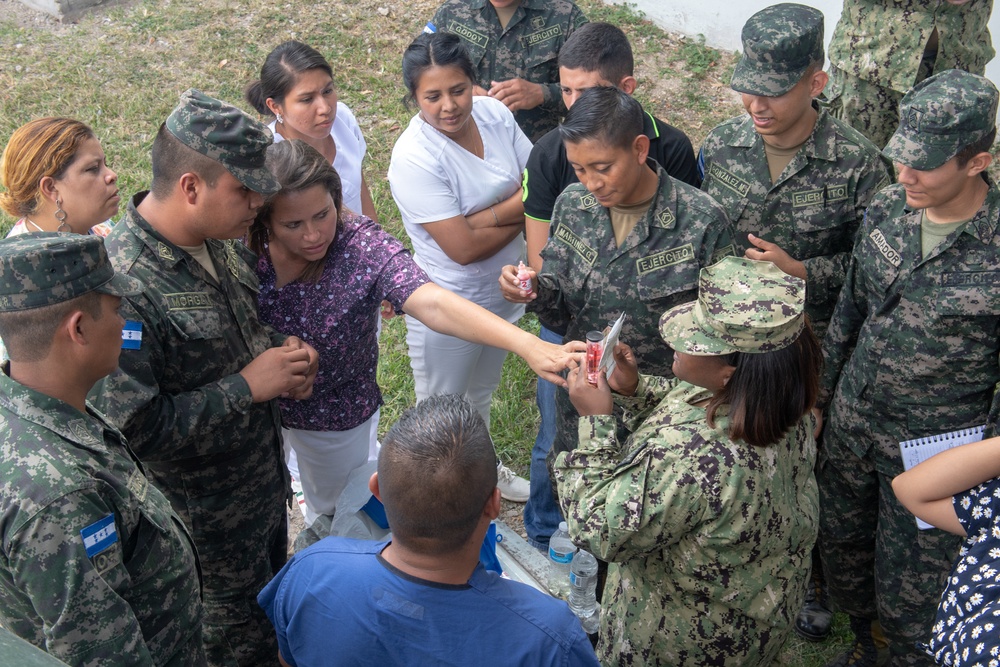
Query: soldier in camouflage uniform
[[590, 276], [708, 528], [196, 393], [794, 177], [95, 568], [514, 45], [881, 49], [912, 351], [787, 172]]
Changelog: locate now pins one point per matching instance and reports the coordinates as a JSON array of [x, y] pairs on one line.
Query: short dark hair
[[601, 48], [28, 334], [982, 145], [280, 72], [438, 49], [603, 113], [436, 470], [172, 159], [769, 393], [296, 166]]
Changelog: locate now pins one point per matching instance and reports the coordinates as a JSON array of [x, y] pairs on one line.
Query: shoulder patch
[[99, 536], [729, 180], [468, 34], [665, 258], [576, 244], [879, 241], [588, 201], [132, 335]]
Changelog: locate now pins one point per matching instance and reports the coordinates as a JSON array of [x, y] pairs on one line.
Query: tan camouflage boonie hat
[[743, 306], [44, 268], [940, 116], [227, 135], [779, 44]]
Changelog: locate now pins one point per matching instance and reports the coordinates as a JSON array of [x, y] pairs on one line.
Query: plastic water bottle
[[583, 590], [561, 550]]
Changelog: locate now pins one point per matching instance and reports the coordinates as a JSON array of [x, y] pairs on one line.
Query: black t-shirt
[[548, 171]]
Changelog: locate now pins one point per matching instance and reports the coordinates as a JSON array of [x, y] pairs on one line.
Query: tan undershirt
[[778, 159], [200, 253], [932, 233], [625, 218], [505, 14]]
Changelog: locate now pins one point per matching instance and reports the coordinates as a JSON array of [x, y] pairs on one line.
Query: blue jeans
[[541, 512]]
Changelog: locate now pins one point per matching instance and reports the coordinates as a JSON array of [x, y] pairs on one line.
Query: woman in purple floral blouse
[[323, 274]]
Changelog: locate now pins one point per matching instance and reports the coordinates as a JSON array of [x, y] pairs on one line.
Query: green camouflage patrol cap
[[44, 268], [779, 44], [940, 116], [225, 134], [743, 305]]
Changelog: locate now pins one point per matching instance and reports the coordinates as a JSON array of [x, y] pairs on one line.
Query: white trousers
[[447, 365], [322, 461]]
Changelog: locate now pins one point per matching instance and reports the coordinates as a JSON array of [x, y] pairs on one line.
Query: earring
[[60, 216], [280, 118]]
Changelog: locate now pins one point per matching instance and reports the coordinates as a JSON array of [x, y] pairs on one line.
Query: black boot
[[870, 646], [814, 619]]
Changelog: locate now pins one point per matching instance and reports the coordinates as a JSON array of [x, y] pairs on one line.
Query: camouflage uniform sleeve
[[85, 619], [842, 333], [648, 394], [550, 304], [159, 426], [623, 508], [719, 236], [825, 273]]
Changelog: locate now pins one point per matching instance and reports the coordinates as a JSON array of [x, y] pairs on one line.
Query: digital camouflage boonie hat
[[779, 44], [43, 269], [743, 305], [940, 116], [225, 134]]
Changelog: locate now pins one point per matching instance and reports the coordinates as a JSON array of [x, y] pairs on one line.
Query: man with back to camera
[[196, 388], [794, 181], [597, 54], [912, 351], [513, 45], [95, 566], [422, 598]]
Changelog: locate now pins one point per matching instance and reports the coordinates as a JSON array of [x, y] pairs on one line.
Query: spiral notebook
[[921, 449]]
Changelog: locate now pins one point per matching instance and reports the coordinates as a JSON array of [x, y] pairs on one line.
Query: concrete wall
[[66, 10], [721, 22]]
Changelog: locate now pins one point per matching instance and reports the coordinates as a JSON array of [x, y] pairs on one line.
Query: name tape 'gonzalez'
[[132, 335]]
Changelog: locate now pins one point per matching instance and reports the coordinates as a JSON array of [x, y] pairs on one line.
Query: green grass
[[121, 70]]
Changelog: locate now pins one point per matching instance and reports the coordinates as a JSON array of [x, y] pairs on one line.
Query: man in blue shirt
[[422, 598]]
